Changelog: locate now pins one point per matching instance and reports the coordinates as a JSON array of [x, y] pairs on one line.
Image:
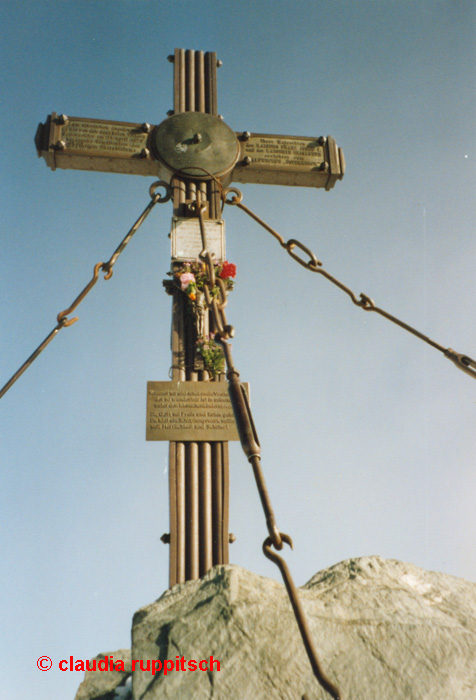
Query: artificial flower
[[186, 278], [228, 270]]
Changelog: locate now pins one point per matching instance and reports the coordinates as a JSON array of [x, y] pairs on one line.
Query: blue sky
[[367, 434]]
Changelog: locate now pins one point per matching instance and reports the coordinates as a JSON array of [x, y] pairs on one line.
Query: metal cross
[[196, 152]]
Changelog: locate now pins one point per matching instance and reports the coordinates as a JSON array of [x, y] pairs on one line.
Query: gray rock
[[384, 630], [107, 685]]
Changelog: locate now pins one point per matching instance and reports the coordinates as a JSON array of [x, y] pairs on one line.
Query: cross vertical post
[[198, 471]]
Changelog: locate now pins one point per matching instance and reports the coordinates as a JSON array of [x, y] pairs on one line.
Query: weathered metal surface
[[197, 144], [189, 411], [195, 91], [186, 240], [289, 160], [194, 143], [95, 144]]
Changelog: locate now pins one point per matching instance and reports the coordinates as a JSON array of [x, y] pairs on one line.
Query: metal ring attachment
[[154, 195], [234, 200]]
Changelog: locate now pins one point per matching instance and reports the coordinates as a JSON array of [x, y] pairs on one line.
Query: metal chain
[[463, 362], [252, 449], [106, 267]]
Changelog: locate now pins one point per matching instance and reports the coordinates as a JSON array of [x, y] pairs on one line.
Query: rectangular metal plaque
[[190, 412], [289, 160], [187, 240], [96, 144], [295, 153], [107, 138]]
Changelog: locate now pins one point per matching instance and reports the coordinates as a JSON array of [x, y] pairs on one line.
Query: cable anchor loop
[[158, 198], [234, 200]]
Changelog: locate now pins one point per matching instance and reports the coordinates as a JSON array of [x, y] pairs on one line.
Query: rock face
[[106, 685], [384, 630]]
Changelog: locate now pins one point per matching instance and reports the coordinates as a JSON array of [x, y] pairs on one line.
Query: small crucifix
[[197, 153]]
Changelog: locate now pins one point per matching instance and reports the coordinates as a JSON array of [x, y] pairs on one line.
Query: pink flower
[[228, 270], [185, 279]]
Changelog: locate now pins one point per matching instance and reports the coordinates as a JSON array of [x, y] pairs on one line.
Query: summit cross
[[198, 154]]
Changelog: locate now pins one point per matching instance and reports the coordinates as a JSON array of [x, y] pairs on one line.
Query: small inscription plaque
[[190, 412], [187, 240], [103, 137], [295, 153]]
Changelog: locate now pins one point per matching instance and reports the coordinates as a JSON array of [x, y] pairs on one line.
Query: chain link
[[463, 362], [106, 267]]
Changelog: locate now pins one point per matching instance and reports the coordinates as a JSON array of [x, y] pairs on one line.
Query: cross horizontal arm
[[131, 148]]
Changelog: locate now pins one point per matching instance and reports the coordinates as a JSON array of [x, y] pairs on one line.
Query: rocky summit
[[383, 629]]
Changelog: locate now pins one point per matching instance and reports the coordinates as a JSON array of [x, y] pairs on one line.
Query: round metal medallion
[[196, 143]]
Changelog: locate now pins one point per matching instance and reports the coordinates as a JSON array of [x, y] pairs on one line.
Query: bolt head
[[247, 160], [145, 153], [219, 63], [321, 140], [145, 127], [197, 138], [170, 112], [245, 136]]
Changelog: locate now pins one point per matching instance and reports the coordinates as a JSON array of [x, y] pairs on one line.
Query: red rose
[[228, 270]]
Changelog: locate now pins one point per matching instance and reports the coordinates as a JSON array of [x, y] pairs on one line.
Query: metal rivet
[[219, 63], [171, 58], [247, 160], [170, 112], [197, 138], [323, 166], [145, 153], [220, 116], [60, 145], [245, 136], [145, 127], [166, 538], [321, 140], [61, 119], [231, 538]]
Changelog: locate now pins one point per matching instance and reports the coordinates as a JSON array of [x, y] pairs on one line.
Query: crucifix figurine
[[198, 154]]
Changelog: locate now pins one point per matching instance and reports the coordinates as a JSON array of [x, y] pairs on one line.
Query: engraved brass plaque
[[190, 412], [187, 240], [97, 145], [295, 153], [298, 161], [95, 136]]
